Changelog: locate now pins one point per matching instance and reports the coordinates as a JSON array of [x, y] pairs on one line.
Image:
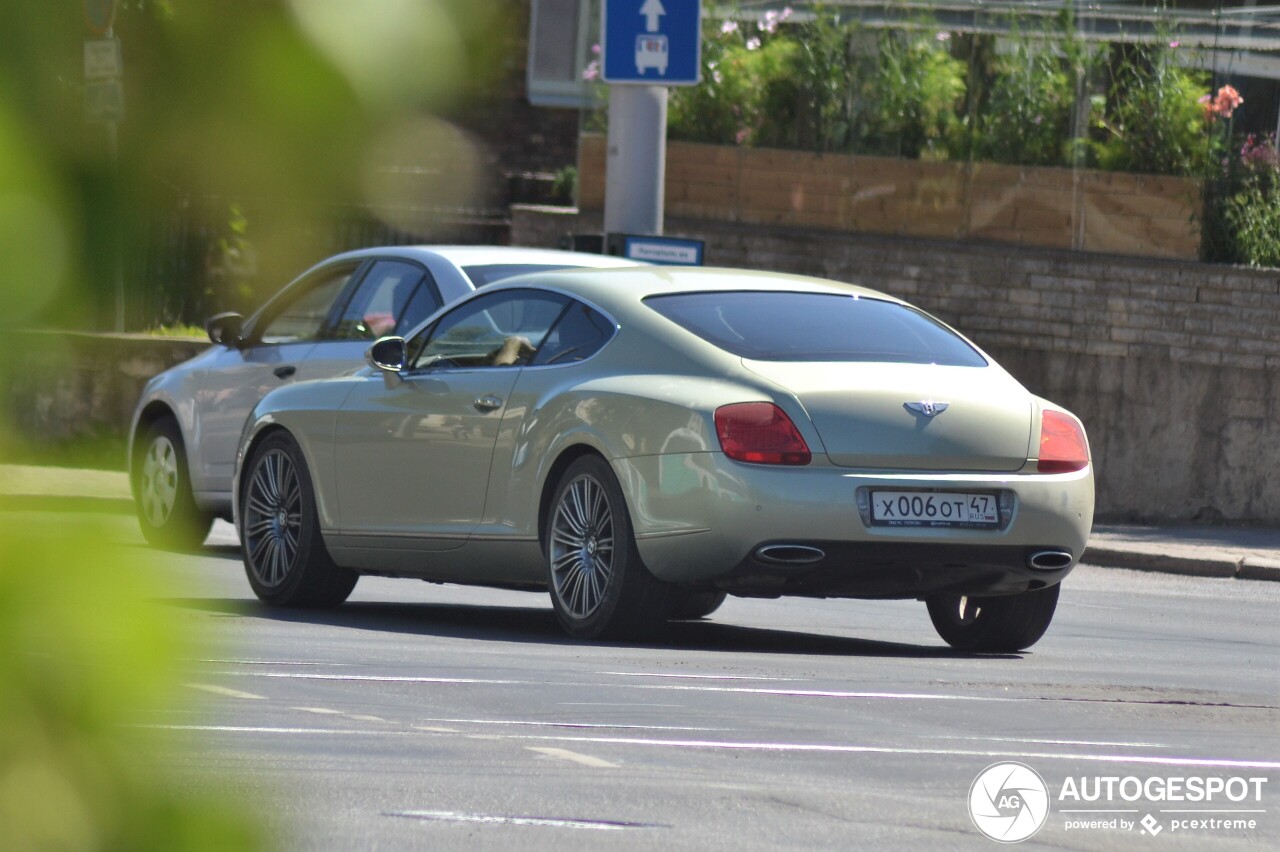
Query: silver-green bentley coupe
[[641, 442]]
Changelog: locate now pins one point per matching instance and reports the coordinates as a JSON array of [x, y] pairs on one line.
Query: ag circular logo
[[1008, 802]]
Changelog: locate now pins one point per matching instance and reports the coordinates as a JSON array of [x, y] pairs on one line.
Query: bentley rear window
[[786, 326]]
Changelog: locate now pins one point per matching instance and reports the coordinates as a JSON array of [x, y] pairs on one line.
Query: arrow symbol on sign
[[652, 10]]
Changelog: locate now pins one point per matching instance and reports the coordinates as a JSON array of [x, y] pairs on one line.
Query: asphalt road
[[434, 717]]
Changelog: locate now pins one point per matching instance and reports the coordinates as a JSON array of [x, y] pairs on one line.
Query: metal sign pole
[[648, 45], [636, 166]]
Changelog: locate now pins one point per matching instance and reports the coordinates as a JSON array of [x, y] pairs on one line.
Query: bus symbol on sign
[[651, 52]]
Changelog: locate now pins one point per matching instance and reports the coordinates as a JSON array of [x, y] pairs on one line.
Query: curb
[[1244, 568]]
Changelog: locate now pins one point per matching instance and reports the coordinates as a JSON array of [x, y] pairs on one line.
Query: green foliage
[[565, 186], [1027, 116], [86, 654], [809, 105], [1151, 120], [739, 66], [1249, 214], [910, 97]]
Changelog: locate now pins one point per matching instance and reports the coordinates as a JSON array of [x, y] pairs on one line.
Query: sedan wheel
[[599, 587], [167, 512], [997, 624], [284, 554]]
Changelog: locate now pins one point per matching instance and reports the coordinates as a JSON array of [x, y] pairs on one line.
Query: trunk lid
[[861, 413]]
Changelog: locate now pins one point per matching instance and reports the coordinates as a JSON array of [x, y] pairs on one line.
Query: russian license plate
[[933, 509]]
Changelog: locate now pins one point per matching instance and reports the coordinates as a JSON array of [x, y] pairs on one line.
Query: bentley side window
[[501, 329], [581, 332]]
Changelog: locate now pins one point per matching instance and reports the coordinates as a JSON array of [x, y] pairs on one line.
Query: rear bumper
[[892, 570], [700, 518]]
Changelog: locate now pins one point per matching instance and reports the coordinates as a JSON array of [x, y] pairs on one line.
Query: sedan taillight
[[1063, 447], [760, 433]]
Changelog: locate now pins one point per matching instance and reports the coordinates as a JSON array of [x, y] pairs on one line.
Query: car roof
[[464, 256], [610, 288]]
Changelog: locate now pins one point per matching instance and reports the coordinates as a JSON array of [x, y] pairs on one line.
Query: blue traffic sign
[[652, 42]]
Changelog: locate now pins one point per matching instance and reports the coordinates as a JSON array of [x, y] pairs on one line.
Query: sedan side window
[[580, 333], [380, 302], [501, 329], [303, 317]]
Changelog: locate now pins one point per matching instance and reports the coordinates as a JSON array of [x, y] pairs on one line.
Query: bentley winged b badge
[[928, 408]]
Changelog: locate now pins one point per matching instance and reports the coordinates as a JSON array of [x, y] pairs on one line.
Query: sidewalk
[[1245, 553]]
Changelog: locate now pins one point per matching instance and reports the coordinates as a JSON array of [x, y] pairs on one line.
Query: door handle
[[285, 371], [488, 402]]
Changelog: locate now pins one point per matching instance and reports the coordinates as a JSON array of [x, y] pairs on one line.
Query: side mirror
[[387, 354], [224, 329]]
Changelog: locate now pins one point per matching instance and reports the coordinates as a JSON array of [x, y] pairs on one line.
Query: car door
[[412, 456], [278, 344], [392, 297]]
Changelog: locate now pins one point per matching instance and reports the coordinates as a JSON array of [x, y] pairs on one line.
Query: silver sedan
[[183, 439], [643, 442]]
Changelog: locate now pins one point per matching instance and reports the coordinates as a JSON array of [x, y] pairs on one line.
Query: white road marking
[[269, 663], [225, 692], [433, 729], [861, 749], [728, 745], [573, 756], [610, 704], [745, 690], [1054, 742], [700, 676], [324, 710], [379, 678], [574, 725], [236, 729], [495, 819], [356, 717]]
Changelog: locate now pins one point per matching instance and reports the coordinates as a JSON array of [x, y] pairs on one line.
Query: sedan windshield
[[786, 326]]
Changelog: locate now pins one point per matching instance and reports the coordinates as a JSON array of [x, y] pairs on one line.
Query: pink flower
[[742, 136], [1223, 104], [728, 27], [753, 43], [943, 36], [592, 71], [595, 49], [1175, 44]]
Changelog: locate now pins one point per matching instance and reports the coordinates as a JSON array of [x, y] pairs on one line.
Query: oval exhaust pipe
[[790, 554], [1049, 560]]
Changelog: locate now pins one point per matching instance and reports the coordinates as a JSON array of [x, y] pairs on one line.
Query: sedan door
[[286, 332], [413, 455]]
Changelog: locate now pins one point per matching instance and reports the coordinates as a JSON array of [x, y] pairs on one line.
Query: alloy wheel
[[582, 546], [273, 518], [158, 489]]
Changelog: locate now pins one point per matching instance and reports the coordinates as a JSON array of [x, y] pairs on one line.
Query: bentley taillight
[[1063, 447], [760, 433]]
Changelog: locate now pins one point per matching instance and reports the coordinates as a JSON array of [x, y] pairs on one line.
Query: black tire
[[691, 605], [599, 586], [284, 554], [167, 510], [998, 624]]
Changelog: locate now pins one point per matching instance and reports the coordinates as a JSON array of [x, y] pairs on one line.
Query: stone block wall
[[1174, 367], [63, 389], [1144, 215]]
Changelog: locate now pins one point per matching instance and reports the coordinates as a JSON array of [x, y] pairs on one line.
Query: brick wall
[[1145, 215], [1174, 367]]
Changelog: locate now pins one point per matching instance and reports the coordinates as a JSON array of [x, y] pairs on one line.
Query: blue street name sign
[[652, 42]]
